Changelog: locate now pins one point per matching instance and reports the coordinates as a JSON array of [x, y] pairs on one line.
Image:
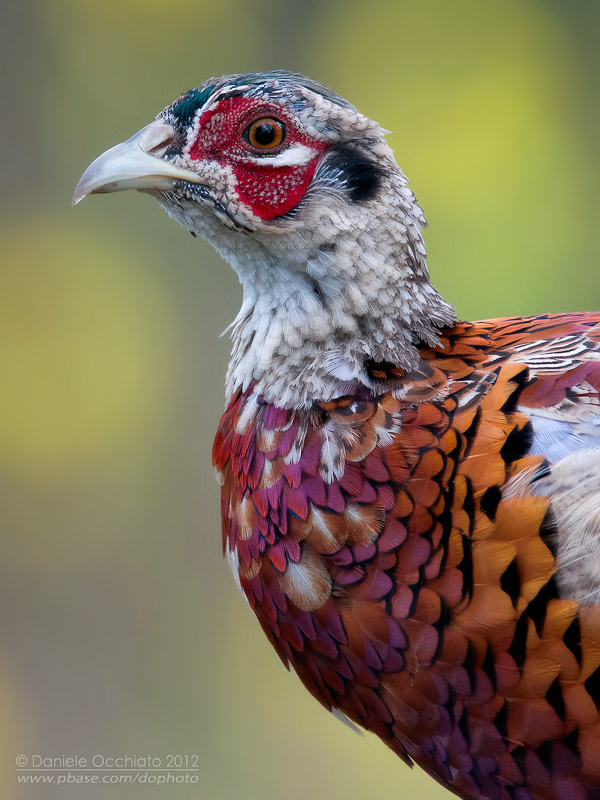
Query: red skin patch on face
[[273, 191], [270, 191]]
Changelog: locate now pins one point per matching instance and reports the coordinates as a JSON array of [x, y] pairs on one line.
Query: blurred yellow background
[[122, 631]]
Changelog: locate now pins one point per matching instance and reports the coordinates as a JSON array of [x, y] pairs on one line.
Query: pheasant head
[[301, 194]]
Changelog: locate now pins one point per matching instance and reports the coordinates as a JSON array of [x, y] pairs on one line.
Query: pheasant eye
[[265, 133]]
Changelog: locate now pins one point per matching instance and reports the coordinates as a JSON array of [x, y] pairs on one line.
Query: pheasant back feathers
[[399, 558]]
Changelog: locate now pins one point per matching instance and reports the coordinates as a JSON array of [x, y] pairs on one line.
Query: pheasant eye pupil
[[264, 133]]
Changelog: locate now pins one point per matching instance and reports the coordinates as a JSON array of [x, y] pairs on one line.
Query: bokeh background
[[121, 629]]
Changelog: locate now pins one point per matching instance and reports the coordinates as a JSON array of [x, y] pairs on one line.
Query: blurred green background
[[122, 631]]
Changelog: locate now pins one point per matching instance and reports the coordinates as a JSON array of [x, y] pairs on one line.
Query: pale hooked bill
[[134, 164]]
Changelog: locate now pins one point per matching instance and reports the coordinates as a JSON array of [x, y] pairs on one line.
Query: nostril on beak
[[158, 149], [156, 138]]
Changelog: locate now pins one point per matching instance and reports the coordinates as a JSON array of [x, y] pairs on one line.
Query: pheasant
[[410, 504]]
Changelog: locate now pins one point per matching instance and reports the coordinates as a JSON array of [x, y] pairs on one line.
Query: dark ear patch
[[356, 173]]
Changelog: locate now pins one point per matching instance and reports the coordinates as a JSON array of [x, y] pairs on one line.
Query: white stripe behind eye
[[298, 155]]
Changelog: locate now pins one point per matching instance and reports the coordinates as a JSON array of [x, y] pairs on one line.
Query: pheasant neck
[[312, 318]]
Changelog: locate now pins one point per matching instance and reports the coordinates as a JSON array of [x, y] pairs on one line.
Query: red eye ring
[[265, 133]]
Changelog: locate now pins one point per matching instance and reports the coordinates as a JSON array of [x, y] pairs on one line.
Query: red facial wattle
[[273, 191], [269, 190]]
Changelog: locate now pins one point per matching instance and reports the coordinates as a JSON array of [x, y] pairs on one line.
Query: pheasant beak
[[134, 164]]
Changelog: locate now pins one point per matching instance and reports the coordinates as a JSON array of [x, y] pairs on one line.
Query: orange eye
[[265, 133]]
